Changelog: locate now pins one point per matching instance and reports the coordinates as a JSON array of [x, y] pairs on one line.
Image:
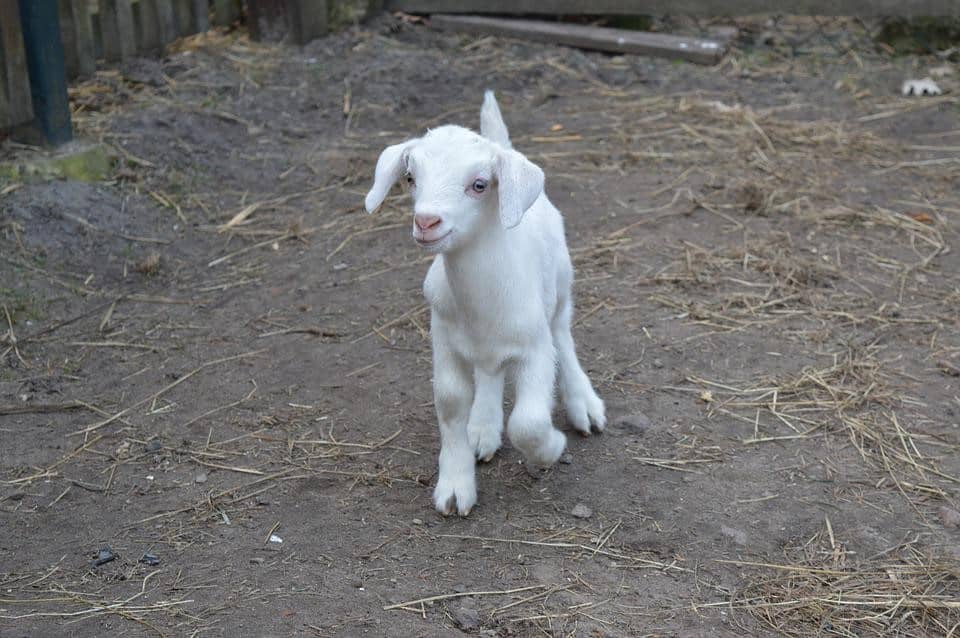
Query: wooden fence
[[111, 30], [116, 30], [15, 103]]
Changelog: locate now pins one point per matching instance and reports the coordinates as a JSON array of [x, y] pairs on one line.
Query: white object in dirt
[[500, 295], [722, 107], [275, 539], [926, 86], [941, 71], [581, 511]]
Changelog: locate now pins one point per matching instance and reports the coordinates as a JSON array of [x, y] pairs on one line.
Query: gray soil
[[767, 296]]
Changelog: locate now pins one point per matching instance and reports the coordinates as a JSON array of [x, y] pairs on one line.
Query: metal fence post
[[40, 21]]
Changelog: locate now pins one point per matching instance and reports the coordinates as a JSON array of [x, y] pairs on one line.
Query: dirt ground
[[217, 347]]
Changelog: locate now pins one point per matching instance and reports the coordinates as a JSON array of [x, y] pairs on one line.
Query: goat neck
[[477, 269]]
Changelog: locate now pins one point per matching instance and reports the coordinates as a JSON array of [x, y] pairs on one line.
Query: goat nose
[[426, 222]]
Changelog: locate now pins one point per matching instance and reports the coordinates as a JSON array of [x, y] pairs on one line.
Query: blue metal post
[[40, 22]]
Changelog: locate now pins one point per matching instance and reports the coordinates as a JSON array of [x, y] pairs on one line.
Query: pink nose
[[426, 222]]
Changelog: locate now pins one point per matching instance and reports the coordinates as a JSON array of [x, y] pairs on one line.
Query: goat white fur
[[500, 296]]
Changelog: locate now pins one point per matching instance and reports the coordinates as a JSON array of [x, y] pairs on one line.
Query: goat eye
[[479, 186], [410, 180]]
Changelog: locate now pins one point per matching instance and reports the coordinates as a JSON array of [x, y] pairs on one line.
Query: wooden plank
[[267, 19], [226, 12], [167, 19], [201, 15], [863, 8], [588, 37], [117, 31], [76, 32], [183, 9], [16, 106], [68, 36], [307, 19], [148, 26], [96, 30]]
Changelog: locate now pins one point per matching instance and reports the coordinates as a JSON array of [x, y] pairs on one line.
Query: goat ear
[[492, 125], [520, 183], [390, 167]]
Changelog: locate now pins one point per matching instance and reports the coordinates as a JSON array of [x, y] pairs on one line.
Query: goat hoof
[[586, 413], [485, 442], [453, 496], [447, 508]]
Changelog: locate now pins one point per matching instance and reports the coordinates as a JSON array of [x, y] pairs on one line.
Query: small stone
[[638, 423], [123, 450], [949, 516], [657, 363], [150, 264], [257, 560], [104, 556], [566, 459], [417, 521], [737, 536], [466, 616], [200, 478], [581, 511], [150, 559], [154, 446]]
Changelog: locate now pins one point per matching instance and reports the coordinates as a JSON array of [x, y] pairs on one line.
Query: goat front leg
[[530, 427], [486, 415], [453, 394]]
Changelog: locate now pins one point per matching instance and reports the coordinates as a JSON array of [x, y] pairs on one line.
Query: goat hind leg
[[584, 408]]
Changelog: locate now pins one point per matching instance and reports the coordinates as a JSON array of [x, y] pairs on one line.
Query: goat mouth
[[423, 243]]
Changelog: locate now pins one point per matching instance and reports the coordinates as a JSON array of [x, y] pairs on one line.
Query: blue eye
[[479, 186]]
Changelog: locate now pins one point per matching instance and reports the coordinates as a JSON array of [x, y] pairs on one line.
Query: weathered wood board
[[167, 18], [698, 50], [16, 106], [863, 8], [226, 12], [297, 20], [119, 35], [76, 33]]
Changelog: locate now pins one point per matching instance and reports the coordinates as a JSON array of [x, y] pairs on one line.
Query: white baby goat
[[500, 298]]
